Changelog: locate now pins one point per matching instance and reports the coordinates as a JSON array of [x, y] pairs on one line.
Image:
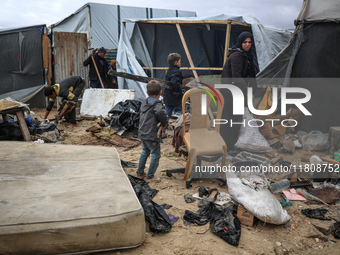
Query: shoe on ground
[[141, 176], [164, 135], [154, 179]]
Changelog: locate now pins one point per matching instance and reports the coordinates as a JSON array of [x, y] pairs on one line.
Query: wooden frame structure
[[204, 22]]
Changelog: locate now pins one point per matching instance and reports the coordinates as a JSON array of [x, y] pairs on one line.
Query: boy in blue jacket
[[151, 113]]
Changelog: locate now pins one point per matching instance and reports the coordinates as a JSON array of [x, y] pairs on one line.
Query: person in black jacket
[[239, 70], [151, 113], [69, 89], [102, 66], [173, 97]]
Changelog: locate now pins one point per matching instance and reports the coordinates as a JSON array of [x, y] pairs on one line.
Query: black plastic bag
[[12, 131], [227, 226], [223, 222], [159, 221], [125, 115]]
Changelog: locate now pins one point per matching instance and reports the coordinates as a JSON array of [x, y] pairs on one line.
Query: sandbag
[[261, 202]]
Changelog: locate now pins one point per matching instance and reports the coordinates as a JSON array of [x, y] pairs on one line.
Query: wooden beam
[[227, 42], [195, 22], [187, 51], [155, 47], [23, 126], [164, 83], [186, 68]]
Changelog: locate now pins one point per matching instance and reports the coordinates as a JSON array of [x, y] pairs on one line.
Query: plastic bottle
[[280, 185]]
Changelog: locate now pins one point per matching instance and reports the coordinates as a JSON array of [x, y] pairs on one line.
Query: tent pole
[[155, 49], [227, 42], [187, 51]]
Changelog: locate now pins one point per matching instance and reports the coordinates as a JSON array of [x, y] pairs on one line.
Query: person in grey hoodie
[[151, 113]]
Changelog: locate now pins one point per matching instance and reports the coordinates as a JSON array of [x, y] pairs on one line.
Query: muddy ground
[[298, 236]]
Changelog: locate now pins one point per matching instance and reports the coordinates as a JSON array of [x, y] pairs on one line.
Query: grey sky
[[275, 13]]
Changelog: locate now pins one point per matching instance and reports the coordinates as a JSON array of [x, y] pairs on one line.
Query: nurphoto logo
[[238, 103]]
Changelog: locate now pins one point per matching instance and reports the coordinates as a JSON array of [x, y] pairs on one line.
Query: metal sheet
[[98, 102], [70, 51]]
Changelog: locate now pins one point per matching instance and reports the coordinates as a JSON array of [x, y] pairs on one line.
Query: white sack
[[261, 202]]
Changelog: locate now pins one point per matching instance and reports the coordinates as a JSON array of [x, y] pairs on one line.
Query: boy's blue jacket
[[151, 113]]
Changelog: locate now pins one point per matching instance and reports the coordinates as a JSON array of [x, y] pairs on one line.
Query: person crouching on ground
[[151, 113], [69, 89]]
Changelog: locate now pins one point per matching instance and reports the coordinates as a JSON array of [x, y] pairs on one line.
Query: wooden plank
[[195, 22], [23, 126], [187, 50], [4, 117], [144, 79], [227, 42], [187, 68]]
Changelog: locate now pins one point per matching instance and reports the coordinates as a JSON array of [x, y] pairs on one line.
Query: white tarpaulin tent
[[311, 61], [153, 39], [102, 22]]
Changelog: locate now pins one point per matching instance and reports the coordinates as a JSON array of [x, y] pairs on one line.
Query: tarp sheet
[[102, 22], [152, 43], [21, 64], [312, 54]]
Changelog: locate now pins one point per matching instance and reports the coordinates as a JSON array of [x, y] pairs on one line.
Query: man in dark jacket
[[151, 113], [102, 66], [68, 89], [238, 70]]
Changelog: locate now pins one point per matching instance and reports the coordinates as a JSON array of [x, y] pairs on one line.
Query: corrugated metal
[[70, 51]]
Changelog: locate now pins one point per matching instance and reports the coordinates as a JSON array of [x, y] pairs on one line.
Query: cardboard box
[[245, 217]]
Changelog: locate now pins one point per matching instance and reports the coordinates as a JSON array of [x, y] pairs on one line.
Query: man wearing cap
[[68, 89], [102, 66]]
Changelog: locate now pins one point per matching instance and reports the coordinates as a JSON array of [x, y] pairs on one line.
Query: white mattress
[[65, 199]]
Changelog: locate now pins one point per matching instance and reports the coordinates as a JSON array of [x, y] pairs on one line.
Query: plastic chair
[[202, 142]]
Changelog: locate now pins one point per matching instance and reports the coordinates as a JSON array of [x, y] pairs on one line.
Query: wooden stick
[[333, 161], [227, 42], [187, 68], [95, 66], [187, 51]]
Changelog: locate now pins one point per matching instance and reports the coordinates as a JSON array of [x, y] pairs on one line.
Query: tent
[[311, 61], [22, 67], [200, 41], [102, 22], [95, 25]]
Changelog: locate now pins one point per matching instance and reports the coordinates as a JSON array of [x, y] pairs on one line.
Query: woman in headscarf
[[239, 70]]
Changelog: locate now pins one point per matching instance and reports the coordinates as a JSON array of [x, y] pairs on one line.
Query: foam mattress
[[58, 198]]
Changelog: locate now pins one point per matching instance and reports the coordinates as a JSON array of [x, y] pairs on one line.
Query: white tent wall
[[319, 11], [78, 22], [128, 63], [102, 22]]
